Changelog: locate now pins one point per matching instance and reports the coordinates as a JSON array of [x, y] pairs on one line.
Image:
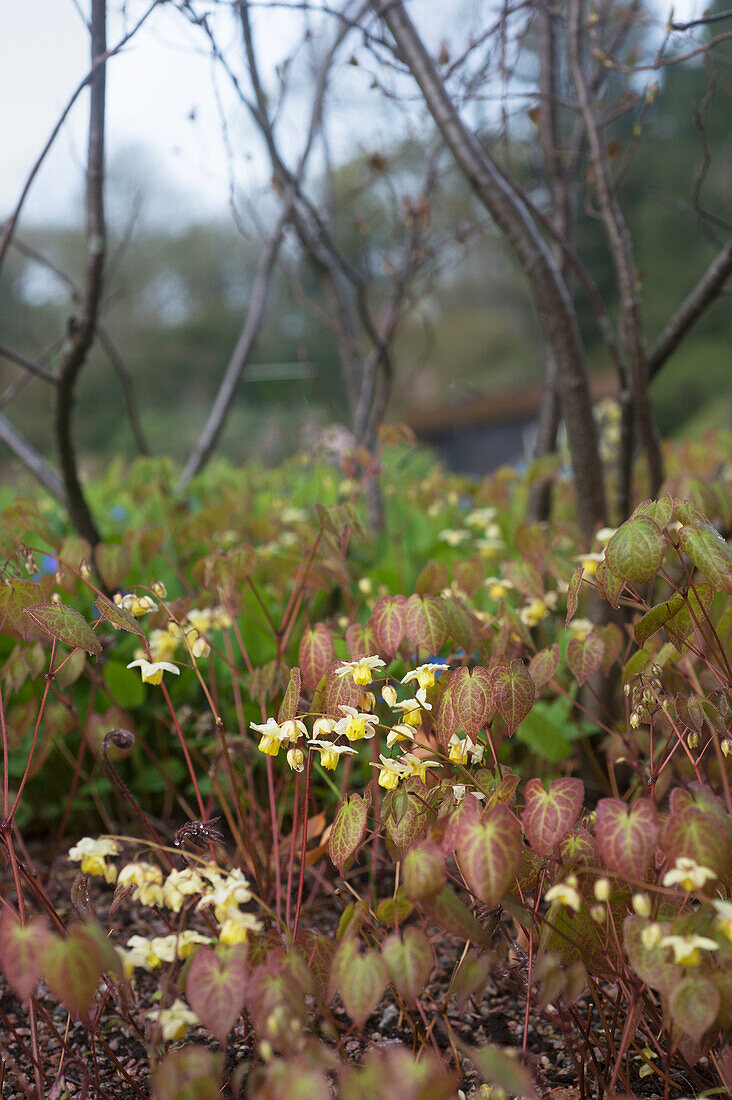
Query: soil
[[118, 1058]]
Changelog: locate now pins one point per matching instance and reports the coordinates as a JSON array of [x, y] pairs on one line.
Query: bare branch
[[512, 218], [83, 328], [240, 356], [691, 309], [31, 459], [704, 20], [29, 365]]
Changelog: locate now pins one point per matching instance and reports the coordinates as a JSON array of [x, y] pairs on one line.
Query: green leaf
[[584, 655], [431, 580], [72, 968], [451, 915], [626, 840], [66, 625], [636, 550], [499, 1069], [573, 593], [423, 870], [545, 730], [118, 617], [708, 551], [190, 1073], [489, 852], [291, 698], [362, 980], [216, 989], [348, 832], [549, 815], [113, 562], [608, 584], [513, 693], [694, 1005], [409, 962]]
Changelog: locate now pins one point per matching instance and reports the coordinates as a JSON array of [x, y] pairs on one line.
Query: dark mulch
[[119, 1059]]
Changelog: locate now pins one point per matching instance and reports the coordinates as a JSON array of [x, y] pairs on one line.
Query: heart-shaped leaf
[[544, 664], [316, 655], [513, 693], [72, 968], [423, 870], [635, 552], [489, 852], [340, 691], [291, 698], [348, 831], [426, 622], [712, 556], [388, 624], [626, 840], [584, 655], [21, 949], [409, 962], [216, 989], [694, 1005], [472, 696], [191, 1073], [549, 815]]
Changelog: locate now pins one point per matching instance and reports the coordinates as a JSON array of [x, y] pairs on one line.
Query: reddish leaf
[[66, 625], [609, 585], [500, 1070], [291, 698], [72, 968], [409, 962], [340, 691], [316, 655], [360, 641], [573, 593], [21, 948], [489, 852], [361, 979], [472, 697], [426, 622], [692, 833], [347, 832], [544, 664], [549, 815], [525, 578], [451, 915], [468, 575], [626, 840], [388, 623], [432, 579], [216, 989], [446, 718], [513, 693], [694, 1004], [584, 655], [613, 639]]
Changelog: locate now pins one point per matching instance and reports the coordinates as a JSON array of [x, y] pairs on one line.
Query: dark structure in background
[[478, 434]]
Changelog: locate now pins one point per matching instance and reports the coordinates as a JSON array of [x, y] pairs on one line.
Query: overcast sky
[[162, 108]]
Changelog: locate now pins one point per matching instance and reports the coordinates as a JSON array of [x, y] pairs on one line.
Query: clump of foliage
[[476, 731]]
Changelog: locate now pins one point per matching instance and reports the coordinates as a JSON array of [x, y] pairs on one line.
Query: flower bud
[[602, 889], [693, 740], [642, 905], [368, 701], [159, 590], [635, 720], [296, 759], [598, 913], [726, 746]]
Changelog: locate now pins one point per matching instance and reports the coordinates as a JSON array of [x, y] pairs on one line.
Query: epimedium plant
[[376, 730]]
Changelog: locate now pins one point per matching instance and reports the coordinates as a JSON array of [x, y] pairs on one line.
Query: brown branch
[[704, 20], [691, 309], [512, 218], [28, 364], [30, 458], [626, 275], [83, 328]]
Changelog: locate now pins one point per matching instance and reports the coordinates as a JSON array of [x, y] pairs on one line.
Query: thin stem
[[304, 848]]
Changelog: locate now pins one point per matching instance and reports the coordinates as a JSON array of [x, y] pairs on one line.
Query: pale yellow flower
[[389, 695], [498, 587], [416, 766], [238, 926], [724, 916], [92, 854], [355, 726], [687, 949], [390, 772], [580, 628], [425, 675], [296, 759], [152, 671], [180, 885], [590, 562], [162, 645], [272, 736], [688, 874], [147, 879], [173, 1021], [401, 732], [330, 753], [453, 537], [565, 894], [135, 605], [361, 670], [651, 936], [537, 609]]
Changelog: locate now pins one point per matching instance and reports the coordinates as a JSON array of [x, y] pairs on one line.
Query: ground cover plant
[[285, 795]]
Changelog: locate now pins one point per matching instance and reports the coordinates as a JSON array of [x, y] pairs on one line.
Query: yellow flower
[[162, 645], [453, 538], [139, 955], [724, 918], [323, 727], [188, 941], [361, 670], [237, 926], [490, 547], [498, 587], [329, 753], [590, 562], [227, 895], [687, 949], [135, 605], [273, 736], [179, 885], [480, 517], [580, 628], [651, 936], [152, 671], [425, 674], [200, 619], [389, 695], [401, 732], [537, 609], [642, 905], [147, 879], [688, 874], [459, 750], [92, 854], [356, 726], [173, 1021], [602, 889], [390, 772], [565, 894], [416, 766], [296, 759]]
